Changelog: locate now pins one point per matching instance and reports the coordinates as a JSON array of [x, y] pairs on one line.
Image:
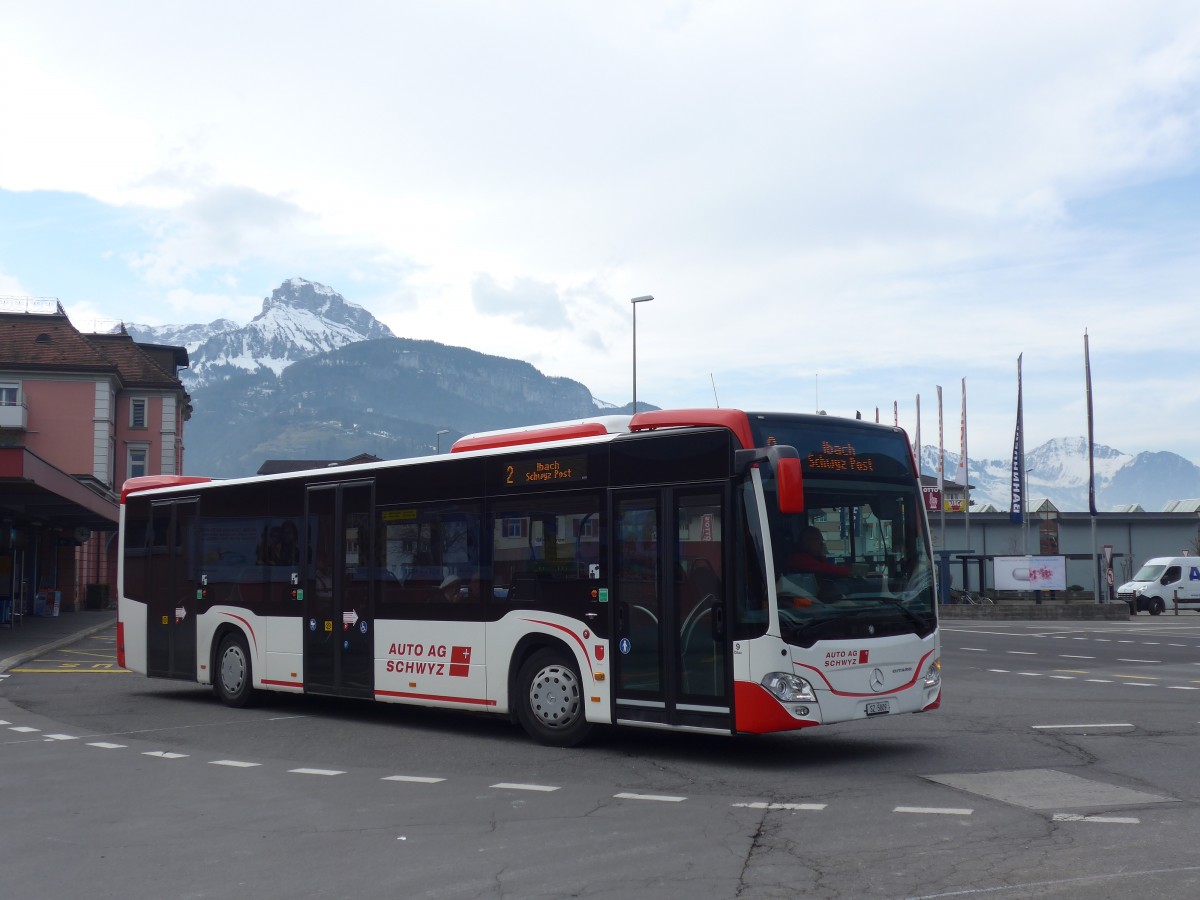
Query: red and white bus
[[645, 570]]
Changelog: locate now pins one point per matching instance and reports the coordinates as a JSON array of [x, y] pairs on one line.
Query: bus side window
[[548, 551], [430, 554]]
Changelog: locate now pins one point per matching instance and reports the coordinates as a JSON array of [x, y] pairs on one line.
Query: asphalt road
[[1060, 765]]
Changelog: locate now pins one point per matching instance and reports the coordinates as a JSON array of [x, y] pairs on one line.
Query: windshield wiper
[[808, 633], [917, 622]]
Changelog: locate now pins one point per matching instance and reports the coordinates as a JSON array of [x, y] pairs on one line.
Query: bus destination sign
[[548, 470], [835, 458]]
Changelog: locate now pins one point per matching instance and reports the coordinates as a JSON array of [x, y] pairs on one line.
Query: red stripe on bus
[[151, 482], [733, 419], [437, 697], [574, 637], [897, 690], [249, 628], [291, 684]]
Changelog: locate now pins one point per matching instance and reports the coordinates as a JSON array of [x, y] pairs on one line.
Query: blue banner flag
[[1016, 513]]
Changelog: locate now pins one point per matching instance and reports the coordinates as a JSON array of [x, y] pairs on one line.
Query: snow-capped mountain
[[299, 320], [191, 337], [239, 392], [1058, 471]]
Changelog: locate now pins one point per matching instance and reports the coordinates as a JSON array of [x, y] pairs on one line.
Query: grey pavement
[[32, 636]]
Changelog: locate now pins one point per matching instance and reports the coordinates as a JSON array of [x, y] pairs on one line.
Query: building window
[[9, 394], [137, 412], [136, 465]]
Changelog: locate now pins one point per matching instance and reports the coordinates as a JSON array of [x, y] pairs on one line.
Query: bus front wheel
[[234, 681], [550, 700]]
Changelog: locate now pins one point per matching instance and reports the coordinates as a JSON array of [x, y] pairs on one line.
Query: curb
[[25, 655]]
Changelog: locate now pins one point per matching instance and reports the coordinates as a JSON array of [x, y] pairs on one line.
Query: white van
[[1156, 584]]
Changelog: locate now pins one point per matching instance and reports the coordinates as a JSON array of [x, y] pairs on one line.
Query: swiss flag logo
[[460, 661]]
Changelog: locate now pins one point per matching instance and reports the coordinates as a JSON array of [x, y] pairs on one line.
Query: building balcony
[[14, 416]]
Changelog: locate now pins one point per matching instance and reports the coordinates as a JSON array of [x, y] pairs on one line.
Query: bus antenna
[[714, 384]]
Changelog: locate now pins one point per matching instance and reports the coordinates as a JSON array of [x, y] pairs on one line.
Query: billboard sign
[[1030, 573]]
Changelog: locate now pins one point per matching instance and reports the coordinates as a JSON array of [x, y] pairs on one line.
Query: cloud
[[528, 301], [892, 196], [10, 286], [219, 228]]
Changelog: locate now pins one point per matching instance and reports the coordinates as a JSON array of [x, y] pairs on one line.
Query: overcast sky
[[834, 204]]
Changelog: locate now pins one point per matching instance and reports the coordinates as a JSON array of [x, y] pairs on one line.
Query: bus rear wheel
[[550, 700], [233, 680]]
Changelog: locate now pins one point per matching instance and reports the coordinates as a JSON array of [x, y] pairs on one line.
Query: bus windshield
[[856, 561]]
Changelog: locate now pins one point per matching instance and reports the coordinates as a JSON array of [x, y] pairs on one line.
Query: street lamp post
[[439, 439], [635, 301]]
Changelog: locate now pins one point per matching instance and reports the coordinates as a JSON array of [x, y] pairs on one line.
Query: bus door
[[338, 580], [670, 641], [173, 583]]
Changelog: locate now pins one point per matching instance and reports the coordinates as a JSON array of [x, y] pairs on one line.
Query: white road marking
[[234, 763], [1071, 656], [1021, 652], [1064, 677], [1100, 680], [974, 649], [105, 745], [656, 797], [1119, 659], [507, 786], [165, 754], [1000, 671], [415, 779], [1102, 725], [24, 729], [813, 807], [316, 772], [61, 737], [933, 810], [1108, 820]]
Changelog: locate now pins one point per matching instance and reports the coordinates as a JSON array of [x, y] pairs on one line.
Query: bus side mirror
[[790, 485]]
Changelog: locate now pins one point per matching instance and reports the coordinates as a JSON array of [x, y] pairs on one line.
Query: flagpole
[[965, 466], [1087, 371], [941, 473], [917, 441]]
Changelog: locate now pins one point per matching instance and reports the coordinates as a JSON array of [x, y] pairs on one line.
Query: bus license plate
[[879, 708]]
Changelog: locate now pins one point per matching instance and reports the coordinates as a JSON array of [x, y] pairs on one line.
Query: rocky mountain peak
[[325, 303]]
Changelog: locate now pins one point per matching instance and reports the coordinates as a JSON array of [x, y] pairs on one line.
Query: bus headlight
[[933, 675], [786, 687]]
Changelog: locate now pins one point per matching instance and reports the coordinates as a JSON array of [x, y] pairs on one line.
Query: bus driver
[[811, 558]]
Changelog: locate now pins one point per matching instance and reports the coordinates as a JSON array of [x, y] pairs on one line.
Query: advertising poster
[[1030, 573]]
